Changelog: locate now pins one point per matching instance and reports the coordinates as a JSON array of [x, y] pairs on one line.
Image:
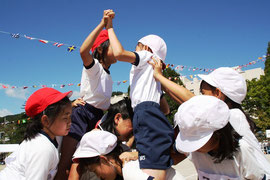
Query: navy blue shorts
[[153, 136], [83, 119]]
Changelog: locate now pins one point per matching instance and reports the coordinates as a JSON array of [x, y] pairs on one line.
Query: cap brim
[[190, 145], [83, 154], [208, 79]]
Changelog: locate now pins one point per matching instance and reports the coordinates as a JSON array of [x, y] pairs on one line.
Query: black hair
[[84, 163], [232, 106], [228, 143], [52, 111], [102, 57], [124, 108]]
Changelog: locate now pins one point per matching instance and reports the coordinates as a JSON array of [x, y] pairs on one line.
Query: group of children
[[214, 133]]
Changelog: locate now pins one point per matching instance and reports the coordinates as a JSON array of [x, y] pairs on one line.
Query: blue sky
[[198, 33]]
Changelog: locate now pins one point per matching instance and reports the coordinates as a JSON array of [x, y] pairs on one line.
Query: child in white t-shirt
[[152, 131], [217, 151], [37, 156], [96, 91]]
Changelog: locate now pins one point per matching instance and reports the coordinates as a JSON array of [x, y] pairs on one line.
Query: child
[[150, 126], [37, 156], [227, 85], [216, 150], [99, 152], [96, 91], [118, 121]]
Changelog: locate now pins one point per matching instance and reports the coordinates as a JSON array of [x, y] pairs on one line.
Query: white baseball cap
[[229, 81], [157, 45], [197, 119], [95, 143]]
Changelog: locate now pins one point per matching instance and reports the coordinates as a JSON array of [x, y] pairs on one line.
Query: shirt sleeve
[[144, 57], [249, 167]]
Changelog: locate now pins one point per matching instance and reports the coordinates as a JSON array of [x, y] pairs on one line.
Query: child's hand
[[128, 156], [108, 17], [78, 101], [157, 66]]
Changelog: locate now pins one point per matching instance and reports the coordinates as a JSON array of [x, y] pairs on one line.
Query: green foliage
[[257, 101], [14, 131], [267, 62], [116, 93]]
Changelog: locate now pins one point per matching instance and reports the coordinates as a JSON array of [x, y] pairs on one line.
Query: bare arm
[[178, 91], [74, 172], [118, 51], [89, 41]]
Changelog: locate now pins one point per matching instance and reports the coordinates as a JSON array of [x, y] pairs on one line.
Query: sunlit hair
[[228, 143], [102, 57], [233, 106], [52, 111]]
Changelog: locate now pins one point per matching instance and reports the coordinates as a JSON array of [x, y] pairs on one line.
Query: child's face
[[104, 171], [124, 129], [211, 145], [62, 123]]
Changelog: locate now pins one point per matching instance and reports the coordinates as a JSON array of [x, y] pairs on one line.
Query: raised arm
[[89, 41], [177, 91], [118, 51]]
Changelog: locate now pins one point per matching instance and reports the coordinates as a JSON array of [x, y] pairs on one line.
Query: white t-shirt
[[131, 171], [36, 159], [143, 86], [240, 124], [244, 165], [96, 86]]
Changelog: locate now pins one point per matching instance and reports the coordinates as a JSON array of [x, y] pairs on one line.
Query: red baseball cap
[[102, 37], [42, 98]]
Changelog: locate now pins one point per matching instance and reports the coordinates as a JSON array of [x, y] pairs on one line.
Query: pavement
[[186, 168]]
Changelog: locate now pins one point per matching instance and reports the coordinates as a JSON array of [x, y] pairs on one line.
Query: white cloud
[[5, 112], [16, 93]]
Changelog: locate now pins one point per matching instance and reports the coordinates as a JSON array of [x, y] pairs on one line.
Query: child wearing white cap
[[99, 152], [118, 121], [217, 151], [227, 85], [148, 121]]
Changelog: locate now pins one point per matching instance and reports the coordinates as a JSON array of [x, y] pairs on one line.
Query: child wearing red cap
[[152, 131], [95, 89], [37, 156]]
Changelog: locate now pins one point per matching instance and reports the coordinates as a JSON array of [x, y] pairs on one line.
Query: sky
[[204, 34]]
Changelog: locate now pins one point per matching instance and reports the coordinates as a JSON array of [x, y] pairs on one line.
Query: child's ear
[[219, 94], [117, 118], [103, 159], [45, 121]]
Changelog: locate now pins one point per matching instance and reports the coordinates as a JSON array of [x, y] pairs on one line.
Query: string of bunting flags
[[71, 48]]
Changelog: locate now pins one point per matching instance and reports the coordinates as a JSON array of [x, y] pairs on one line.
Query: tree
[[267, 62], [257, 101]]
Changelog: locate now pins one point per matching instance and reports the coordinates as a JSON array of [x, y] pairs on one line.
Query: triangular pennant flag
[[27, 37], [43, 41]]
